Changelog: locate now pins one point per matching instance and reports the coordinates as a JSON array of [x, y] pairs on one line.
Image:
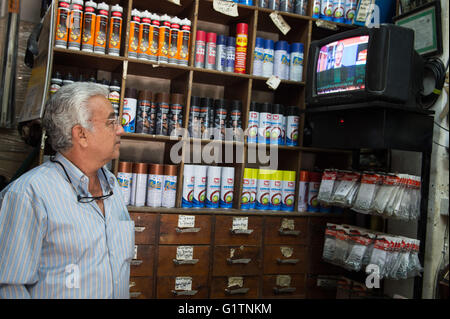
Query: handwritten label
[[288, 224], [273, 82], [283, 280], [240, 223], [135, 252], [280, 22], [326, 25], [226, 7], [235, 282], [287, 251], [183, 283], [177, 2], [186, 221], [185, 252]]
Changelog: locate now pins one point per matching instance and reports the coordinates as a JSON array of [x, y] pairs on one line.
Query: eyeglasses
[[84, 199], [114, 122]]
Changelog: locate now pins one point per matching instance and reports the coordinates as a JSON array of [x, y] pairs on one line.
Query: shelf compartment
[[207, 13], [166, 7], [155, 70], [81, 59]]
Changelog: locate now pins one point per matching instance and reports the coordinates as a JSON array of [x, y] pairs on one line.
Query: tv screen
[[341, 65]]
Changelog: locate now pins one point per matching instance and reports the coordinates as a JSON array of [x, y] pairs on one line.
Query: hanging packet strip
[[357, 250], [366, 193], [394, 249], [415, 213], [342, 246], [379, 253], [327, 186], [393, 206], [406, 200], [346, 189], [414, 266], [382, 195], [329, 247], [393, 273]]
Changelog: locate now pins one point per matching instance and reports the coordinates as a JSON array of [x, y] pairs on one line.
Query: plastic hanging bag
[[327, 186], [357, 251], [399, 270], [414, 266], [393, 206], [369, 250], [407, 202], [366, 193], [390, 182], [380, 253], [342, 246], [346, 189], [415, 198], [329, 247], [393, 256]]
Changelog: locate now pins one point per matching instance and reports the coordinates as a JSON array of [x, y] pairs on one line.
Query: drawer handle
[[136, 262], [241, 231], [185, 262], [184, 292], [139, 229], [284, 290], [239, 261], [135, 294], [240, 291], [287, 261], [284, 232], [132, 284], [188, 230]]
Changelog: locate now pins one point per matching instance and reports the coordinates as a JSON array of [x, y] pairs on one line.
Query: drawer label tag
[[186, 221], [283, 280], [183, 283], [185, 252], [235, 282], [287, 251], [288, 224], [135, 251], [240, 223]]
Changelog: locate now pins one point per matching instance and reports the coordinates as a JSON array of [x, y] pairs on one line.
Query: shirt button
[[84, 179]]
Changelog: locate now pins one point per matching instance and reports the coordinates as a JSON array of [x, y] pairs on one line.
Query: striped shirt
[[52, 246]]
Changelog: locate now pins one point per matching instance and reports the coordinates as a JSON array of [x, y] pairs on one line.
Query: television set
[[365, 65]]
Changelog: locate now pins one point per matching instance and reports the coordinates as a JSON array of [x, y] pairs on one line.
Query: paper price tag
[[273, 82], [183, 283], [280, 22], [226, 7], [288, 224], [135, 252], [185, 252], [235, 281], [186, 221], [177, 2], [240, 223]]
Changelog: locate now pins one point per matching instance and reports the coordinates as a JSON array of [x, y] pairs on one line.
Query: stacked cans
[[207, 186], [273, 124], [152, 185], [294, 6], [342, 11]]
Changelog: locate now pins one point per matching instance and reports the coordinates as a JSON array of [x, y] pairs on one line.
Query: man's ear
[[79, 136]]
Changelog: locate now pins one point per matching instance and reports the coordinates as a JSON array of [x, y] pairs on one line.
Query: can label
[[326, 8], [296, 71], [276, 129], [220, 124], [154, 192], [61, 32], [302, 196], [253, 188], [339, 9], [246, 197], [124, 181], [275, 195], [350, 9], [144, 40], [230, 59], [175, 118], [213, 192], [162, 119], [268, 63], [76, 24], [241, 53], [169, 191], [199, 192], [140, 189], [173, 46], [87, 41], [195, 124], [313, 203], [188, 190], [226, 192], [115, 33], [183, 49], [221, 56], [133, 46], [101, 29], [129, 115], [143, 110], [263, 194], [288, 194], [292, 131], [200, 54], [258, 60], [154, 41], [210, 62], [264, 128], [252, 130], [164, 41], [316, 8]]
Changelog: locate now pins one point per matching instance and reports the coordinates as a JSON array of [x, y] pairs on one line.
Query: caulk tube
[[275, 190], [288, 191], [124, 177], [263, 189], [188, 186], [140, 182], [227, 187], [213, 186], [155, 185], [169, 192], [199, 186]]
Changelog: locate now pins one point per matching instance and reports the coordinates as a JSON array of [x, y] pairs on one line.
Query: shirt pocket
[[122, 244]]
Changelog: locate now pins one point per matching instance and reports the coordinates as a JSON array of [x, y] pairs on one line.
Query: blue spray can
[[231, 51], [268, 58], [221, 52], [258, 57], [296, 65], [280, 59]]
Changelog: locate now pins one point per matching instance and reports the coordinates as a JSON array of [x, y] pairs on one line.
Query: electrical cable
[[437, 69], [446, 129]]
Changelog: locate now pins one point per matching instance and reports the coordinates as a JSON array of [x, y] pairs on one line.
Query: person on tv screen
[[338, 55]]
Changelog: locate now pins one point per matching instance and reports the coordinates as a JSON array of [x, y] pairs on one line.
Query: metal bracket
[[185, 262], [184, 292], [188, 230], [284, 290], [239, 261], [284, 232], [241, 231], [287, 261], [241, 291]]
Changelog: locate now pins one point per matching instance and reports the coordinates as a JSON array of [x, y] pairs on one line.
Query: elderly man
[[65, 231]]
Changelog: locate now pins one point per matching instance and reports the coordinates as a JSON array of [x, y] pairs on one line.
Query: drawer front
[[142, 265], [286, 230], [166, 288], [316, 229], [171, 233], [320, 267], [313, 291], [168, 265], [285, 259], [141, 287], [145, 226], [284, 286], [235, 287], [236, 260], [225, 235]]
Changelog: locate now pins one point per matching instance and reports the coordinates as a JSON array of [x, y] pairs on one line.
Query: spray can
[[195, 125], [246, 2], [263, 3], [280, 59], [173, 46], [115, 30], [144, 36], [276, 124], [221, 52], [139, 184], [296, 62], [241, 47], [68, 79], [207, 124], [293, 120], [101, 28], [164, 39], [133, 43], [227, 187], [263, 189], [231, 54], [265, 118], [274, 4], [153, 47], [124, 176], [199, 186], [258, 57], [183, 40], [246, 197], [76, 24], [169, 192], [210, 59], [339, 11], [253, 187], [114, 95], [155, 185], [276, 196], [316, 9], [143, 112], [56, 82], [235, 119], [287, 5], [162, 114], [283, 130], [176, 113], [350, 10], [253, 123], [313, 190], [200, 49], [87, 41], [213, 186], [62, 21], [301, 7], [220, 118], [288, 191], [268, 58], [188, 186], [287, 69], [303, 191], [326, 10], [129, 110]]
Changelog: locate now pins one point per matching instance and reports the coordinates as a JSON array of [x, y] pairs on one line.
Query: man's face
[[338, 55], [104, 139]]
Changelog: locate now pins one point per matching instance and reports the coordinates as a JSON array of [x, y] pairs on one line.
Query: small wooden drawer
[[314, 291], [195, 265], [142, 264], [172, 229], [236, 260], [285, 259], [242, 287], [284, 286], [167, 287], [227, 234], [141, 287], [286, 230], [144, 226]]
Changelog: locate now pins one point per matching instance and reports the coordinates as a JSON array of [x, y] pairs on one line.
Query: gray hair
[[67, 108]]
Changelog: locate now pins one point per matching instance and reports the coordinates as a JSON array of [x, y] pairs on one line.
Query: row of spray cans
[[244, 2], [148, 113], [207, 186], [153, 185], [273, 124], [280, 59], [222, 53], [293, 6], [159, 38], [342, 11], [89, 26], [265, 189]]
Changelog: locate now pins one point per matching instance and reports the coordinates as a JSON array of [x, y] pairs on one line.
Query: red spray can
[[241, 47]]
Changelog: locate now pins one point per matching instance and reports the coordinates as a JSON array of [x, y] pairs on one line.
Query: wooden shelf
[[83, 59]]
